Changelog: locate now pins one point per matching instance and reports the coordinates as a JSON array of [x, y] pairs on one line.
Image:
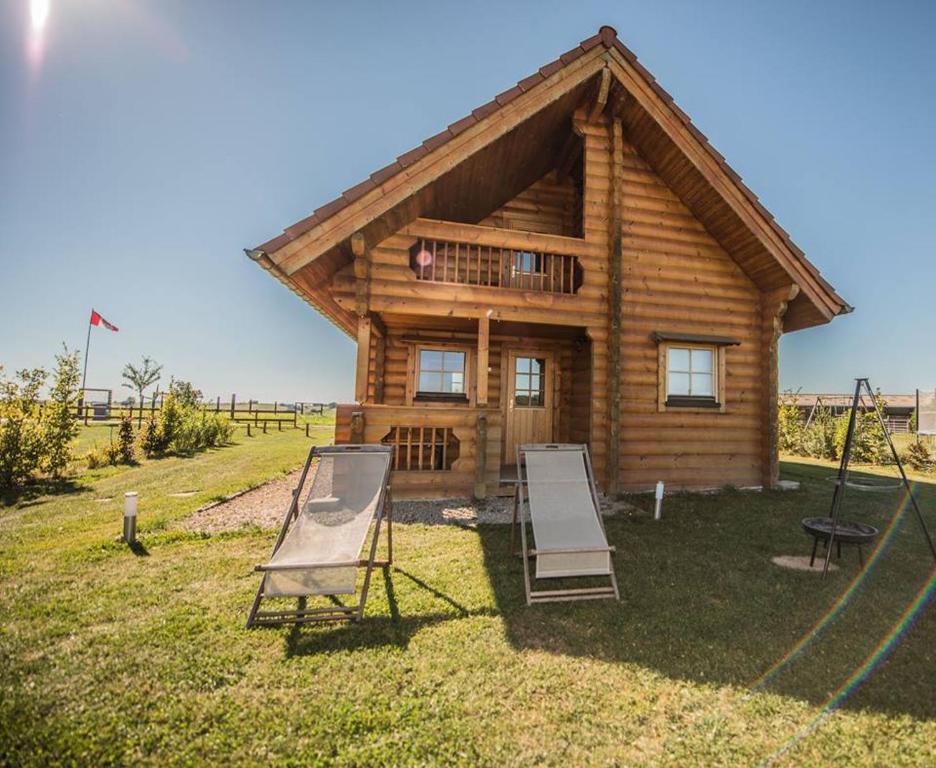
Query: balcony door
[[529, 400]]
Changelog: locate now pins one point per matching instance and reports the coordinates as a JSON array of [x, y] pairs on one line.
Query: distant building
[[898, 409]]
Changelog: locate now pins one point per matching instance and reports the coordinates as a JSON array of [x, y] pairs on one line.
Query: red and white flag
[[96, 319]]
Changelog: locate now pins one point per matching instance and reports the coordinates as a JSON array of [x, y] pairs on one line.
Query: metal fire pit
[[846, 532]]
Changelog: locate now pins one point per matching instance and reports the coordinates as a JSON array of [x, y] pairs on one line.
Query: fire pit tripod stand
[[837, 530]]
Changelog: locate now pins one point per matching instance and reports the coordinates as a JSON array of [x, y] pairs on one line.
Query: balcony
[[465, 254]]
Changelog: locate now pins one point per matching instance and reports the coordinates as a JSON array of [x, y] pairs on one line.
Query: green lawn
[[110, 657]]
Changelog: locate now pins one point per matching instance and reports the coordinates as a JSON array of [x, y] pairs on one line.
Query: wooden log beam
[[363, 359], [615, 308], [484, 345], [361, 274], [774, 307], [602, 99]]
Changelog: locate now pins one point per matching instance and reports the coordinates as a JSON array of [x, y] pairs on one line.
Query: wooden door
[[529, 400]]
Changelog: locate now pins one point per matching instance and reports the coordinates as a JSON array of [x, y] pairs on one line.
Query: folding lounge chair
[[568, 533], [318, 550]]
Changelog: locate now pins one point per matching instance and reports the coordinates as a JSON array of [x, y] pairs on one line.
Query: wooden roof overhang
[[480, 162]]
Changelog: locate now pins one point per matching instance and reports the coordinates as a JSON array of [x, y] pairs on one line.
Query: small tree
[[138, 379], [20, 436], [59, 420], [125, 440], [185, 393]]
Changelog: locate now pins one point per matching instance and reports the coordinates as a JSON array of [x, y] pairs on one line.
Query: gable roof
[[308, 252]]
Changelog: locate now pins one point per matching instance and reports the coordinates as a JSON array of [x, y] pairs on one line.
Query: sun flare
[[39, 13]]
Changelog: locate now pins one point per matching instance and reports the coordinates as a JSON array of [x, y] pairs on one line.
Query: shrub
[[869, 444], [819, 437], [59, 422], [791, 430], [918, 457], [95, 458], [149, 438], [170, 422], [125, 440], [113, 454], [21, 443]]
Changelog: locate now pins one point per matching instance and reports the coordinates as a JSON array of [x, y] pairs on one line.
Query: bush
[[59, 422], [869, 443], [21, 439], [918, 457], [125, 440], [171, 416], [95, 458], [819, 437], [184, 429], [791, 430], [149, 438]]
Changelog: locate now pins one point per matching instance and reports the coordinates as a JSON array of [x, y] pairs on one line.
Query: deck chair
[[318, 550], [568, 533]]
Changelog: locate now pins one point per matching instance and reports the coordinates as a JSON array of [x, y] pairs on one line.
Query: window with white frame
[[691, 374], [441, 372]]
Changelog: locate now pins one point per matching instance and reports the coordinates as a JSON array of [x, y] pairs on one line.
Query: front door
[[529, 400]]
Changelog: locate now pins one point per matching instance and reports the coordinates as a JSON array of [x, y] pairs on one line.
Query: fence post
[[275, 406], [248, 429], [307, 430], [264, 426], [296, 416], [279, 425], [233, 400]]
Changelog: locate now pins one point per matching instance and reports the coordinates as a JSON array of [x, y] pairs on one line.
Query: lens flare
[[39, 13], [423, 258]]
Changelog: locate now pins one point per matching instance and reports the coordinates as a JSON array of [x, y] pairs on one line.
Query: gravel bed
[[265, 506]]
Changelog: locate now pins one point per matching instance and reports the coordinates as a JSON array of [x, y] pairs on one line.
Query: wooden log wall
[[596, 223], [548, 206], [676, 277]]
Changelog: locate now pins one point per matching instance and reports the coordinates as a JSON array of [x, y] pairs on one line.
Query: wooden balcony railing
[[452, 261]]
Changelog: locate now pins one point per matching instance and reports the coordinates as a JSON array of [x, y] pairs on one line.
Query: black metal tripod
[[842, 479]]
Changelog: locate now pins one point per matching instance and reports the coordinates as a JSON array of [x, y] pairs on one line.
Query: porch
[[454, 397]]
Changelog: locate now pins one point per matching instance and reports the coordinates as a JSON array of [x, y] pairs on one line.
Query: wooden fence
[[248, 412]]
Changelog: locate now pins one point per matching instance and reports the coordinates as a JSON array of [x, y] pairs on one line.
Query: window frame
[[417, 396], [691, 403], [541, 376]]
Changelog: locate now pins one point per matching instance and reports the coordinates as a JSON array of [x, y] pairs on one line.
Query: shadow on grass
[[702, 601], [32, 494], [393, 630]]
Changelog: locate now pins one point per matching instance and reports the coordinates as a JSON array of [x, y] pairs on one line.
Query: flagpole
[[84, 370]]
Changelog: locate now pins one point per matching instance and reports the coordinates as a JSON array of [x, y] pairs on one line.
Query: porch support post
[[362, 307], [484, 337], [480, 486], [363, 360], [774, 307], [615, 302]]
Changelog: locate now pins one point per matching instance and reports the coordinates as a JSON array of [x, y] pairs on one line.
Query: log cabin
[[571, 262]]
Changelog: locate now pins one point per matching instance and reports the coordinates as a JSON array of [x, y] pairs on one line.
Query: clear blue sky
[[147, 143]]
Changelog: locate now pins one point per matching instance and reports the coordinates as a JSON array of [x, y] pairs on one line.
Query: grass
[[110, 657]]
